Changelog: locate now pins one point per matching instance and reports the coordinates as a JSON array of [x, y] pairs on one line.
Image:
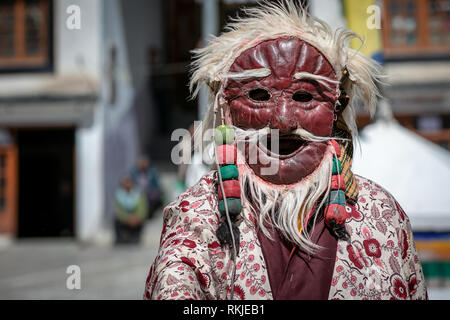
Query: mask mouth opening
[[286, 146]]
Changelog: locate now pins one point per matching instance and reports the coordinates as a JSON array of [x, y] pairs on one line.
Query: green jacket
[[141, 210]]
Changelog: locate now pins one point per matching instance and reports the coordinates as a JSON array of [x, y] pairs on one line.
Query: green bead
[[337, 197], [229, 172], [337, 169], [224, 135], [234, 207]]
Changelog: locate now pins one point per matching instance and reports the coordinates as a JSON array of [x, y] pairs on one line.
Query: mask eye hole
[[259, 94], [301, 96]]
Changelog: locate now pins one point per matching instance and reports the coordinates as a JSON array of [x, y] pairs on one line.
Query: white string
[[230, 226]]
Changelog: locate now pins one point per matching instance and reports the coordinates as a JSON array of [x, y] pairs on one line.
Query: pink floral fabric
[[378, 262], [191, 264]]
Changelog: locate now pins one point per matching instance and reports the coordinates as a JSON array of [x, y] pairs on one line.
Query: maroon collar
[[293, 273]]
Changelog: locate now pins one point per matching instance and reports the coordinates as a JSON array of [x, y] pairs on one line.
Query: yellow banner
[[364, 18]]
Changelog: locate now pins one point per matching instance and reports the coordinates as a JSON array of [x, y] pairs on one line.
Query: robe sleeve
[[182, 268], [411, 266]]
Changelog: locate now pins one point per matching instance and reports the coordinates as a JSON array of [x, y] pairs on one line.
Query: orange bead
[[337, 182], [337, 147], [232, 189], [335, 212], [226, 154]]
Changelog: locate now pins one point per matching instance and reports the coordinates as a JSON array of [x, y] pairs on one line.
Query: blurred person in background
[[145, 178], [131, 212]]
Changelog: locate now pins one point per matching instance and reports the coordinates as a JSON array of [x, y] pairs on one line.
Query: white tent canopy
[[415, 171]]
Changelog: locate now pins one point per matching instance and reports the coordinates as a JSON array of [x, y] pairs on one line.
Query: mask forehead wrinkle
[[246, 62], [323, 68], [260, 57], [319, 64], [284, 57], [312, 61], [297, 51], [288, 52], [276, 60], [302, 58]]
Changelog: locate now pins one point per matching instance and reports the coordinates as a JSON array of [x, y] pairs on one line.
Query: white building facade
[[88, 91]]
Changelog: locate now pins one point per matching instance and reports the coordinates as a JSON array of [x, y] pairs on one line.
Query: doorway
[[46, 182], [8, 188]]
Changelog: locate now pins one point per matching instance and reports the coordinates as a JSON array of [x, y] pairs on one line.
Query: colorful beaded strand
[[227, 231], [229, 191], [335, 213]]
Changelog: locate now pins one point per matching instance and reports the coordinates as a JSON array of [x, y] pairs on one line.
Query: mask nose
[[283, 118]]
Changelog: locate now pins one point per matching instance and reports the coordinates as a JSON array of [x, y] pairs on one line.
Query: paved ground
[[36, 269]]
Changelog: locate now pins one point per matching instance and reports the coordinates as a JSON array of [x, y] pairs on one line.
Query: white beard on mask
[[286, 208]]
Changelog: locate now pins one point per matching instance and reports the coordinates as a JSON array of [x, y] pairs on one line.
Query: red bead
[[337, 182], [226, 154], [337, 147], [232, 189], [335, 212]]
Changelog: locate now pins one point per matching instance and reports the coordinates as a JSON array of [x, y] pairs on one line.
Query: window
[[25, 34], [416, 27]]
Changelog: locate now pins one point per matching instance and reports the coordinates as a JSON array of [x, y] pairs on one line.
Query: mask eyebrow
[[320, 79], [250, 73]]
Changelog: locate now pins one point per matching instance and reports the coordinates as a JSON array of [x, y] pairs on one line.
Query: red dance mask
[[299, 93]]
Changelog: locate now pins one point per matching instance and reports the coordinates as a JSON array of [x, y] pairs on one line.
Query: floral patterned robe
[[379, 261]]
